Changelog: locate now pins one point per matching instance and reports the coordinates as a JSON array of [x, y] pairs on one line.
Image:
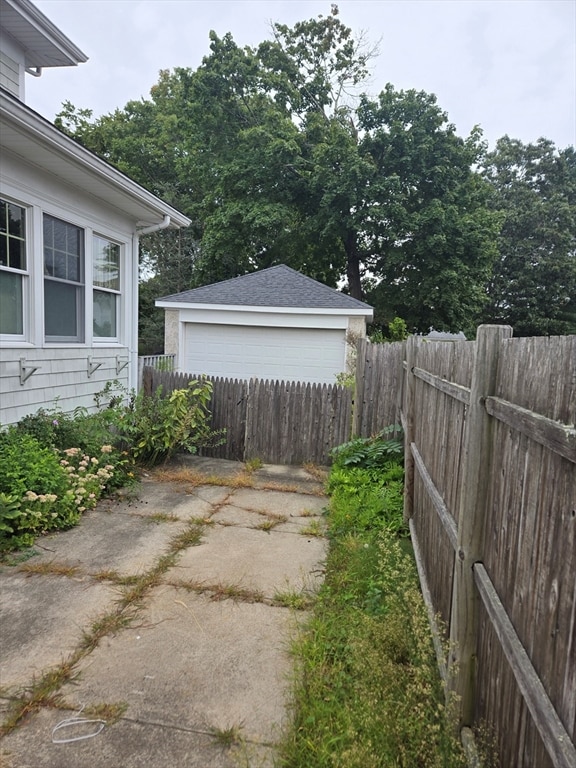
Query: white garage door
[[244, 352]]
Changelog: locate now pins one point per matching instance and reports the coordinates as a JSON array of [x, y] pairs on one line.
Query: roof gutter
[[155, 227]]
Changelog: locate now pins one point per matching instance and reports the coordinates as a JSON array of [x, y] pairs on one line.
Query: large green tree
[[277, 158], [533, 286]]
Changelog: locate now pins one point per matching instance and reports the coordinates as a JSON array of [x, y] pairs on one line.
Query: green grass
[[366, 691]]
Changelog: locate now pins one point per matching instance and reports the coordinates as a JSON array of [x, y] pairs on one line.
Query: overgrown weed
[[366, 691]]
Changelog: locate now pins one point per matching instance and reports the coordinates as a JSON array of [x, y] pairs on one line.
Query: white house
[[69, 230], [273, 324]]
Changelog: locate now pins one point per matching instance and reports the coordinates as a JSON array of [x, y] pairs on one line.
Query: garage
[[275, 324], [245, 352]]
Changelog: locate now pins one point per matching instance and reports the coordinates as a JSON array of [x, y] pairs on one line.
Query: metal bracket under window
[[27, 370], [92, 367], [120, 364]]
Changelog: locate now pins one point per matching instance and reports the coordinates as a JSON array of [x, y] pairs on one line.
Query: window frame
[[116, 292], [80, 285], [23, 274]]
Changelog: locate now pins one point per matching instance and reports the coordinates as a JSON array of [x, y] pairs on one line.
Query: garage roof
[[278, 286]]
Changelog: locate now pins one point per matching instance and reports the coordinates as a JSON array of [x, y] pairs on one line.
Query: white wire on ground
[[70, 722]]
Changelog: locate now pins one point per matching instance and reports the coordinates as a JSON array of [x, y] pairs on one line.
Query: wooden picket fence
[[275, 421]]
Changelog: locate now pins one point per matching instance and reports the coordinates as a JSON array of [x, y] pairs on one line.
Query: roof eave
[[53, 48], [43, 132]]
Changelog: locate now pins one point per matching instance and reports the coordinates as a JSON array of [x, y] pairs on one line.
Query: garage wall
[[279, 353]]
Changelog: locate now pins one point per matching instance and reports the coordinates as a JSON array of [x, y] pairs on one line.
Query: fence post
[[359, 386], [408, 426], [471, 512]]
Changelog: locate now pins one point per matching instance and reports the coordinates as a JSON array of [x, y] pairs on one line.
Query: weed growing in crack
[[314, 528], [162, 517], [52, 568], [298, 601], [266, 525], [252, 465], [227, 737]]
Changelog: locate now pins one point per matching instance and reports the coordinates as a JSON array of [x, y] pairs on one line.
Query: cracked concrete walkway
[[169, 615]]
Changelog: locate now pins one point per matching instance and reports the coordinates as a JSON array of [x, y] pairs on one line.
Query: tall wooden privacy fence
[[491, 502], [275, 421]]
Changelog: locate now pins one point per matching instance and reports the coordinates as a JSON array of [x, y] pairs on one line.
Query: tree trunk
[[353, 266]]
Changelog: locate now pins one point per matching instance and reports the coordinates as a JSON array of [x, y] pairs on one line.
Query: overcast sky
[[506, 65]]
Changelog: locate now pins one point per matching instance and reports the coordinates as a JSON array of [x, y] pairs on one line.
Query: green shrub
[[56, 429], [154, 427], [43, 489], [32, 478]]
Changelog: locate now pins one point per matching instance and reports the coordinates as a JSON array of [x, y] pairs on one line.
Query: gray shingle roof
[[278, 286]]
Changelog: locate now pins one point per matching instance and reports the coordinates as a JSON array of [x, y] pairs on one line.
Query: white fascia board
[[27, 122], [264, 317], [51, 47], [229, 308]]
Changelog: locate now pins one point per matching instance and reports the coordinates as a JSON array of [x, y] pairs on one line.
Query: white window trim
[[36, 205], [81, 288], [121, 300], [16, 339]]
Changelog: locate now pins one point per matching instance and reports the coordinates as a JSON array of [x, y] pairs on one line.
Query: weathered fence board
[[551, 729], [294, 423], [490, 490], [379, 384], [277, 422], [507, 479]]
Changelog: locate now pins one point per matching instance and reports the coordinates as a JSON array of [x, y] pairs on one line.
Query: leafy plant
[[43, 488], [370, 452], [155, 427], [9, 514]]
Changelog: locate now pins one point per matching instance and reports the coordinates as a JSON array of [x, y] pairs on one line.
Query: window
[[63, 281], [12, 268], [106, 281]]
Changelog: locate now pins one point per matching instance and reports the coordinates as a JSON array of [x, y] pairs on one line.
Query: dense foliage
[[54, 466], [533, 286], [367, 693], [276, 157]]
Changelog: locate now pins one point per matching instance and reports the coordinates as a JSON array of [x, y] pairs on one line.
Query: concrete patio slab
[[188, 666], [258, 560], [127, 744], [42, 621], [278, 502], [128, 544], [195, 664]]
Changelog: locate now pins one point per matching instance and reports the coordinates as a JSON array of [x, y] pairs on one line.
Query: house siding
[[12, 67], [62, 375], [9, 74], [61, 380]]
